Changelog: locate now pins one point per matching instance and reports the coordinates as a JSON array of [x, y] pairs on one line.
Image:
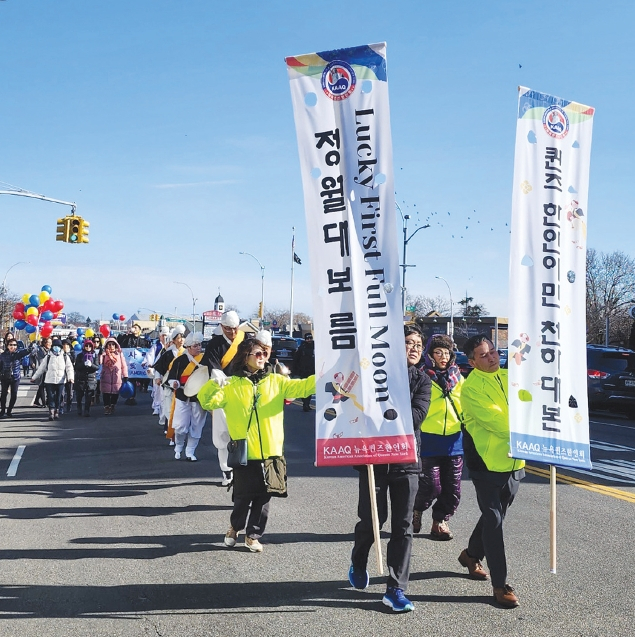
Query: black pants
[[494, 492], [258, 510], [53, 395], [40, 396], [84, 398], [110, 399], [6, 386], [68, 395], [403, 489]]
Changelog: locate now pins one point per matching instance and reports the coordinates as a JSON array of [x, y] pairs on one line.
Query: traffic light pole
[[32, 195]]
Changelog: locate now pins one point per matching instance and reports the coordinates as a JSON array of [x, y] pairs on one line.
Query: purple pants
[[440, 480]]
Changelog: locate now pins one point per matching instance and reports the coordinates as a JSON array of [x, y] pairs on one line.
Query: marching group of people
[[455, 420]]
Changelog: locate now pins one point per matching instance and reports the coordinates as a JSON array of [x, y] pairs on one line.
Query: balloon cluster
[[118, 317], [82, 334], [36, 311]]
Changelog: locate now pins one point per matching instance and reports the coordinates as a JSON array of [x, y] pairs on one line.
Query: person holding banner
[[253, 399], [496, 476], [189, 417], [401, 480], [219, 353], [441, 439]]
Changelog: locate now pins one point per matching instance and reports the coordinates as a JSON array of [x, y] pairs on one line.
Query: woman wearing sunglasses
[[253, 399], [10, 364]]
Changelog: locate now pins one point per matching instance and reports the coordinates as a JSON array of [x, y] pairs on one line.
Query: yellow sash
[[192, 365], [233, 348]]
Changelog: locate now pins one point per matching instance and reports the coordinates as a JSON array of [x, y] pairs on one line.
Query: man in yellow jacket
[[495, 474]]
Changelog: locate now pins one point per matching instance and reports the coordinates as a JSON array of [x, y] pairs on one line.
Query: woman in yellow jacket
[[253, 399], [441, 439]]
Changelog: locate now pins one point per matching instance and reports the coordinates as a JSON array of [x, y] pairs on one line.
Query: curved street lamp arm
[[26, 193]]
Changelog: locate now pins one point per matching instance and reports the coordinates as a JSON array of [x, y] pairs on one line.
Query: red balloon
[[19, 307], [59, 306], [104, 330], [47, 330], [40, 309], [122, 317], [32, 319], [18, 315], [48, 304]]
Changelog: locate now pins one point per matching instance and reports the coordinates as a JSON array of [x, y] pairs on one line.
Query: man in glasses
[[219, 353], [304, 364]]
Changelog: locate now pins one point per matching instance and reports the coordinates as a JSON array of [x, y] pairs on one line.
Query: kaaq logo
[[338, 80], [555, 122]]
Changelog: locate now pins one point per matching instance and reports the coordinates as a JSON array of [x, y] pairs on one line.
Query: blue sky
[[170, 125]]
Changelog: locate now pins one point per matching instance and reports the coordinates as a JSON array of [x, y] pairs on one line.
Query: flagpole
[[292, 271]]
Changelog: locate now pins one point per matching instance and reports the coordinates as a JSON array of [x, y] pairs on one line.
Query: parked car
[[463, 364], [611, 378], [503, 357], [283, 349]]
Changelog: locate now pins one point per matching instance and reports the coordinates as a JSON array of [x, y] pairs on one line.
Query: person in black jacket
[[402, 481], [86, 367], [132, 340], [10, 363], [304, 364]]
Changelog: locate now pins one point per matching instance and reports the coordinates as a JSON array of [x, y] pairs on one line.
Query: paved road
[[104, 533]]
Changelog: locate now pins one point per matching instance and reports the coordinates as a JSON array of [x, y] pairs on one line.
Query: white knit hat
[[193, 338], [264, 338], [230, 319], [179, 329]]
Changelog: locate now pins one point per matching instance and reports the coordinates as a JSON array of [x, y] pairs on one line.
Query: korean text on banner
[[549, 419], [340, 103]]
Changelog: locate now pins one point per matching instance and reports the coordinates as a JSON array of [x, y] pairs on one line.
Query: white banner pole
[[552, 519], [375, 516]]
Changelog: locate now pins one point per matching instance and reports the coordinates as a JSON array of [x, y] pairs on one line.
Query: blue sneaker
[[358, 577], [395, 598]]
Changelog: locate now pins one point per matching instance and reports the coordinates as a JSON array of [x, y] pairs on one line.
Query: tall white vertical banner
[[548, 411], [340, 103]]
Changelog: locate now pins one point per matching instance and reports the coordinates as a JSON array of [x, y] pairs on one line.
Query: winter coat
[[55, 369], [112, 377], [11, 363], [86, 375], [486, 414], [304, 360], [237, 399]]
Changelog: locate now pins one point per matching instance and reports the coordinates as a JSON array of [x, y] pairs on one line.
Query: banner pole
[[552, 519], [375, 516]]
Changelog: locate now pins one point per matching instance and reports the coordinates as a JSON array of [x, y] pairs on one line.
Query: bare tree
[[282, 317], [610, 288], [424, 305], [75, 318], [7, 303]]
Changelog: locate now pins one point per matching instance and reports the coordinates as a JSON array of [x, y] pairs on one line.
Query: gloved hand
[[219, 377], [175, 384], [88, 363]]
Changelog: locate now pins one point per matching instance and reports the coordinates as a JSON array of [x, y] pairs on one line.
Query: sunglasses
[[259, 354]]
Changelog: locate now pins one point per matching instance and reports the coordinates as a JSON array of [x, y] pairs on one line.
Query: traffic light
[[260, 310], [74, 224], [62, 230], [83, 230]]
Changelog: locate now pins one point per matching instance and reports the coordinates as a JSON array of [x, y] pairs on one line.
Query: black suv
[[611, 378], [283, 348]]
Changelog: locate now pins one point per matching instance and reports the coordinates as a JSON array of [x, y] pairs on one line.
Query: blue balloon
[[77, 348], [47, 315], [34, 300], [80, 331], [80, 339], [20, 325], [127, 390], [115, 317], [47, 288], [29, 328]]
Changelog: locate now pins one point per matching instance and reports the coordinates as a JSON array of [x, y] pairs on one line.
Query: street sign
[[274, 323], [266, 323], [411, 308]]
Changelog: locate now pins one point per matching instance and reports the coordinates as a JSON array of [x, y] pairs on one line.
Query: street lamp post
[[193, 303], [3, 289], [451, 333], [262, 284], [404, 265]]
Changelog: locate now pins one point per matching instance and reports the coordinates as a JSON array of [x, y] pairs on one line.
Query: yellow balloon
[[32, 337], [32, 310], [44, 296], [89, 332], [25, 298], [74, 343]]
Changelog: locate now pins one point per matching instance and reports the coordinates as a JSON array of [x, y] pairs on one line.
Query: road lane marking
[[584, 484], [610, 424], [13, 467]]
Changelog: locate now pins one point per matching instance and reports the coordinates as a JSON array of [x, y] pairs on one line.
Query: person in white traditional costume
[[189, 417], [151, 357]]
